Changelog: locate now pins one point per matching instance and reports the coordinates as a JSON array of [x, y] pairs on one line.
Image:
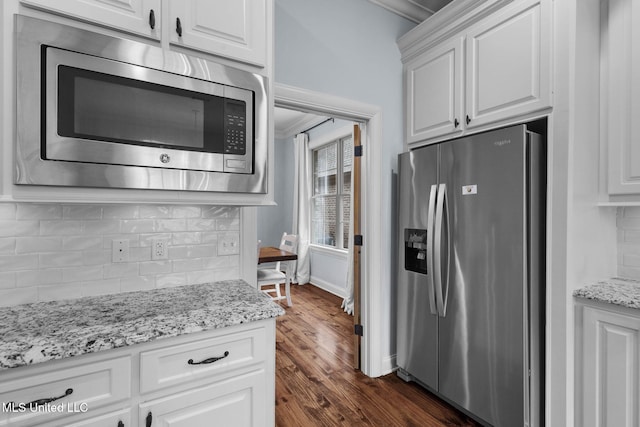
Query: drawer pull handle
[[39, 402], [120, 424], [209, 360], [148, 420], [152, 19], [178, 27]]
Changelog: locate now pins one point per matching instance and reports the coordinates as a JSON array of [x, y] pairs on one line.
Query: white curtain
[[301, 202], [347, 302]]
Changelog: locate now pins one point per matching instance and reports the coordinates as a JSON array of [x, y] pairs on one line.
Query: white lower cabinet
[[608, 366], [237, 402], [225, 376]]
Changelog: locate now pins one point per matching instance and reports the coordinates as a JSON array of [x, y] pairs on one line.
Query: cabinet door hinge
[[357, 329]]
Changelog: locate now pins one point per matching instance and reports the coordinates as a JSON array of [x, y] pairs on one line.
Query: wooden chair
[[273, 277]]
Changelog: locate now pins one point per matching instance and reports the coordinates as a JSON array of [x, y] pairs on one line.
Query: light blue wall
[[348, 48], [275, 220]]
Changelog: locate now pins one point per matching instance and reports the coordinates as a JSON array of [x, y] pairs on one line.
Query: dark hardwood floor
[[317, 386]]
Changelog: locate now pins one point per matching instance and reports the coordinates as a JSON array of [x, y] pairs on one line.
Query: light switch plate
[[229, 244]]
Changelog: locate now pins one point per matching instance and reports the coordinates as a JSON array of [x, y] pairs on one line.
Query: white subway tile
[[155, 267], [228, 224], [18, 262], [201, 224], [178, 252], [140, 254], [137, 226], [220, 212], [82, 243], [202, 276], [26, 245], [101, 287], [632, 236], [202, 251], [85, 273], [7, 245], [100, 227], [629, 272], [60, 259], [222, 261], [120, 270], [81, 212], [10, 228], [139, 283], [38, 211], [629, 223], [186, 212], [59, 292], [172, 225], [186, 238], [38, 277], [134, 240], [60, 228], [96, 257], [7, 279], [11, 297], [227, 274], [120, 212], [630, 211], [184, 265], [148, 238], [209, 237], [7, 210], [150, 211], [170, 280]]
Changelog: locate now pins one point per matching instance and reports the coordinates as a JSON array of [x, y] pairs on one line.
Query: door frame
[[370, 116]]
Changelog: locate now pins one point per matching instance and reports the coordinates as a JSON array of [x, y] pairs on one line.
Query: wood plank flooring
[[317, 386]]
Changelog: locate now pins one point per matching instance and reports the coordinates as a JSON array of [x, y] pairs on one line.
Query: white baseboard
[[389, 364], [329, 287]]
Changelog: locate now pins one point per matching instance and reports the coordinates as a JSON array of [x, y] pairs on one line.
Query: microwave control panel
[[235, 123]]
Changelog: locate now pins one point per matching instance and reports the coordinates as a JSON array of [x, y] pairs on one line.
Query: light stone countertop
[[618, 291], [38, 332]]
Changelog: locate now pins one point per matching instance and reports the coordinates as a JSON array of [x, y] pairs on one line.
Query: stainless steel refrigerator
[[471, 273]]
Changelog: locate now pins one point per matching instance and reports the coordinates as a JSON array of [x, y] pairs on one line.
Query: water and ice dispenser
[[415, 250]]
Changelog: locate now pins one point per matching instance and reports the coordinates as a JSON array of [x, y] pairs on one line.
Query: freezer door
[[417, 327], [482, 336]]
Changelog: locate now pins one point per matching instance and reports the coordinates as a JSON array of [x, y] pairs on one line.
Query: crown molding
[[406, 9]]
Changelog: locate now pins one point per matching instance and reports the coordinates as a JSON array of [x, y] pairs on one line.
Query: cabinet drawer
[[170, 366], [112, 419], [78, 390]]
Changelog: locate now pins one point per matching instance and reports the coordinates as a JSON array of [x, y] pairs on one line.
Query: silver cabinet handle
[[442, 215], [430, 215]]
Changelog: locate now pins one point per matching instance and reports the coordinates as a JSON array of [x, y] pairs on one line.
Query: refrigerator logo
[[469, 189], [502, 142]]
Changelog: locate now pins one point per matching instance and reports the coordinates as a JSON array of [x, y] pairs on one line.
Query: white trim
[[332, 136], [330, 251], [372, 262], [305, 122], [327, 286], [406, 9]]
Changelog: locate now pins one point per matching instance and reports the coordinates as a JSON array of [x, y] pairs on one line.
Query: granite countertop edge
[[39, 332], [616, 291]]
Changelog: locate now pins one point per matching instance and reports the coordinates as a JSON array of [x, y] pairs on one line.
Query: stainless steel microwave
[[99, 111]]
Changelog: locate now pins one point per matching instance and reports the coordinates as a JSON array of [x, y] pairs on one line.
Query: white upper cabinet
[[508, 70], [140, 17], [231, 28], [621, 101], [434, 92], [487, 70]]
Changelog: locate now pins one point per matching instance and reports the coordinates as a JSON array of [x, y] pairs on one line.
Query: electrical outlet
[[120, 250], [228, 244], [159, 249]]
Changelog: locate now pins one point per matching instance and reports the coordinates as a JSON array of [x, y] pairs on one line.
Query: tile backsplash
[[628, 224], [58, 251]]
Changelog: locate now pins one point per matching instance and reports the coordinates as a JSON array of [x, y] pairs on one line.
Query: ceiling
[[414, 10], [290, 122]]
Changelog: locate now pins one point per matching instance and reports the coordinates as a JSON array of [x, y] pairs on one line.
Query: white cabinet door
[[508, 65], [434, 92], [112, 419], [610, 369], [238, 402], [231, 28], [622, 84], [134, 16]]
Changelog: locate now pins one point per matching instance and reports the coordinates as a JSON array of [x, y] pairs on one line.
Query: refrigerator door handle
[[430, 271], [442, 227]]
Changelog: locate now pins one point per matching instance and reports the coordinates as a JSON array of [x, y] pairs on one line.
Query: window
[[331, 200]]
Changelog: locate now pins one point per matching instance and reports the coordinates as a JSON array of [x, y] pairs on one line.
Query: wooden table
[[273, 254]]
